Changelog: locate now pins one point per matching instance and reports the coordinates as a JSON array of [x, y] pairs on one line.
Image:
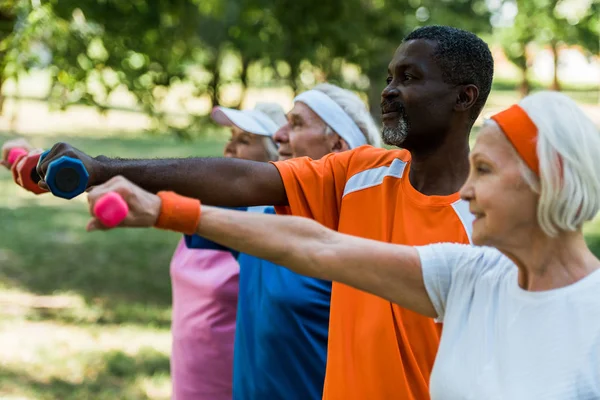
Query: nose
[[229, 150], [467, 191], [390, 91], [282, 135]]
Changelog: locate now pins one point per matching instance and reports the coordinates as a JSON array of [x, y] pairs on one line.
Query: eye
[[482, 169], [407, 77], [389, 80]]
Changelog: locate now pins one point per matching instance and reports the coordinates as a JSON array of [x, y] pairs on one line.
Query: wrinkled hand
[[13, 144], [144, 207], [92, 165]]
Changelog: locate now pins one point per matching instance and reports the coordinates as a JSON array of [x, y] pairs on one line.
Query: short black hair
[[463, 58]]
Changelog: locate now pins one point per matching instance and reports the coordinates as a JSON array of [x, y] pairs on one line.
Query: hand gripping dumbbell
[[111, 209], [66, 177], [25, 174]]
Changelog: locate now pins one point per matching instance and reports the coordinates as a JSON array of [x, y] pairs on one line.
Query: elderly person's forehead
[[301, 111], [492, 142], [238, 131], [418, 53]]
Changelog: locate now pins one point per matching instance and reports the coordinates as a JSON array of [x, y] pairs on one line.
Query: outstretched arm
[[219, 181], [308, 248], [302, 245]]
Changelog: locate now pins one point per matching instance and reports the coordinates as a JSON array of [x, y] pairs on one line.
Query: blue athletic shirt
[[281, 333]]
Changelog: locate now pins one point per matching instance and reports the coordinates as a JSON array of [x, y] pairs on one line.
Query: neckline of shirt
[[591, 279], [423, 199]]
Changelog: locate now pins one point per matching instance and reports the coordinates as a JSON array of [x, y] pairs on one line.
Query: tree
[[147, 46], [8, 18], [386, 22], [551, 23], [570, 25], [517, 38]]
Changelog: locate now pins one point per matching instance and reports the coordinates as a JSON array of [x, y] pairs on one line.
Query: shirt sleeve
[[314, 189], [200, 243], [452, 269]]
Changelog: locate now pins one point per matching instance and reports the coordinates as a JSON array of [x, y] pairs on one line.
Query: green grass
[[87, 315], [84, 315]]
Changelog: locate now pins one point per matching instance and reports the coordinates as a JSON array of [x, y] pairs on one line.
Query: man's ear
[[337, 144], [467, 97]]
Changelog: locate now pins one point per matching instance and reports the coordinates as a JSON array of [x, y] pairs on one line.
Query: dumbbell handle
[[111, 209], [15, 153], [66, 177]]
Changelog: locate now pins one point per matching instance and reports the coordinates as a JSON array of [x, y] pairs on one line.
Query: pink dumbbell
[[111, 209], [14, 154]]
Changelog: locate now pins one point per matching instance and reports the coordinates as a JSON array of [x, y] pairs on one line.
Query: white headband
[[334, 116]]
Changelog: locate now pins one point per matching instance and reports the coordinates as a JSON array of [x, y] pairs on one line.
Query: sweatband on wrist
[[178, 213]]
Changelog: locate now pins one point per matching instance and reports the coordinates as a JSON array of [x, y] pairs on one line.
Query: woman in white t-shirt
[[522, 314]]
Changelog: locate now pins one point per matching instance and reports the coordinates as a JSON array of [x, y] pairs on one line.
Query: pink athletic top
[[205, 290]]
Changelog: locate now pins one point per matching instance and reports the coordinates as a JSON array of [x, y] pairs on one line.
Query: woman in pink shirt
[[205, 282]]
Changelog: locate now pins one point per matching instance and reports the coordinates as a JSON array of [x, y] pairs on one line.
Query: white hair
[[273, 111], [355, 108], [568, 150], [277, 115], [271, 148]]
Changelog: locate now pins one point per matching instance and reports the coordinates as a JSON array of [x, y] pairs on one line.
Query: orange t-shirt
[[377, 350]]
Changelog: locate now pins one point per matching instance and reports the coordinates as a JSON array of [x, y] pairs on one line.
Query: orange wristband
[[178, 213]]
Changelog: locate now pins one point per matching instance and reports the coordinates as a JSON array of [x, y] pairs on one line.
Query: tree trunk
[[524, 86], [376, 74], [243, 80], [214, 87], [2, 98], [523, 63], [294, 72], [555, 54], [374, 95]]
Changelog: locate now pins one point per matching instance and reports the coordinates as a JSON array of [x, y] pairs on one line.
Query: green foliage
[[97, 47], [551, 23]]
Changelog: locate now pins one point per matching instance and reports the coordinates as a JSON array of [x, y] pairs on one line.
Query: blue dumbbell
[[66, 177]]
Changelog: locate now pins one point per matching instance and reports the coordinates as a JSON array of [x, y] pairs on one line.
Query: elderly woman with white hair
[[521, 310]]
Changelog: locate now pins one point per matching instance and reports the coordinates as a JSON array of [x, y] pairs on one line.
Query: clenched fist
[[144, 207]]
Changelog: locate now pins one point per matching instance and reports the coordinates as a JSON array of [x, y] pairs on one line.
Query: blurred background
[[86, 316]]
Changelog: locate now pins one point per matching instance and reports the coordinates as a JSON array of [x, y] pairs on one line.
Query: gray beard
[[395, 136]]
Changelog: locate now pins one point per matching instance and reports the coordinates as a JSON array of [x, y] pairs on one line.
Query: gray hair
[[277, 115], [271, 148], [356, 110]]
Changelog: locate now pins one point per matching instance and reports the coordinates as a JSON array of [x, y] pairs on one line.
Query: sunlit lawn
[[86, 316]]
